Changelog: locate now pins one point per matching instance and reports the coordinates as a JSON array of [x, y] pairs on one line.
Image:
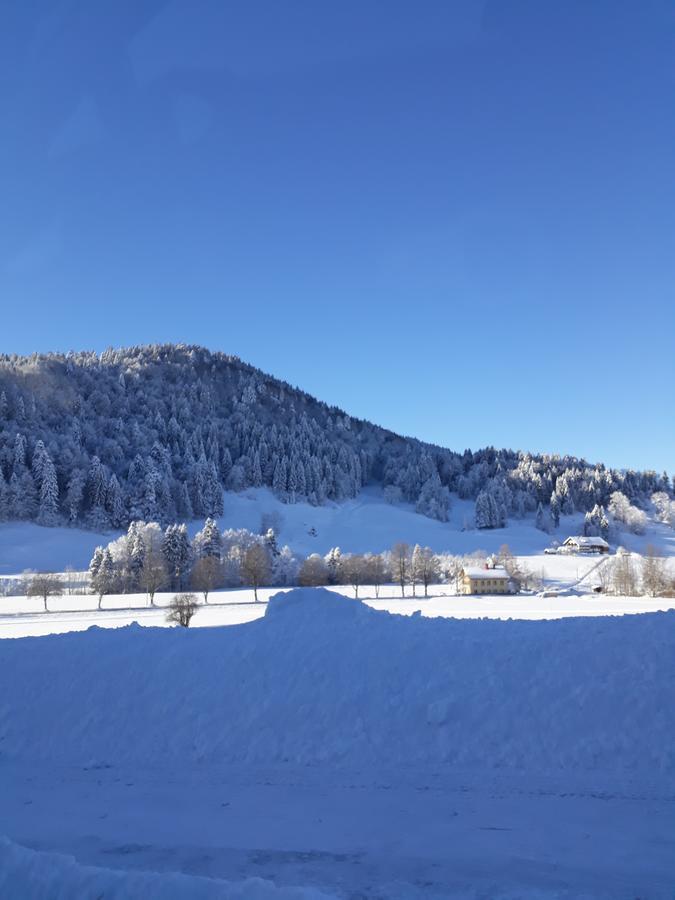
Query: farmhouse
[[585, 545], [485, 580]]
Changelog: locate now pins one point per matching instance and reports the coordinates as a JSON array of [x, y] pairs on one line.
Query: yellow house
[[484, 580]]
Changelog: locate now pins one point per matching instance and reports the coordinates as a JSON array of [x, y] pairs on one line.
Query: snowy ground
[[330, 748], [572, 577], [357, 526], [25, 617]]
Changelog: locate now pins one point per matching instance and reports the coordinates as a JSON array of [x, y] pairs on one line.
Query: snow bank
[[322, 678], [31, 875]]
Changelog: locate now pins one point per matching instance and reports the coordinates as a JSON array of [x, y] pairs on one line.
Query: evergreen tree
[[95, 568], [554, 509], [208, 541], [114, 503], [4, 498], [74, 495], [136, 554], [49, 493], [177, 553], [332, 560]]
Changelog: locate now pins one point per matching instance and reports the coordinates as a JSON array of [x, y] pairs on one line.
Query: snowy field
[[366, 524], [571, 577], [329, 749], [25, 617], [318, 747]]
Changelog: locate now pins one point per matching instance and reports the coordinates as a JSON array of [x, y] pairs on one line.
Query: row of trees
[[150, 559]]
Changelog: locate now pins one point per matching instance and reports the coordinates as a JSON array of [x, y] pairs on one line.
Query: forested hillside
[[155, 433]]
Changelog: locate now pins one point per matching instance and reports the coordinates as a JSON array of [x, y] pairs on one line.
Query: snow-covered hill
[[155, 434], [364, 524]]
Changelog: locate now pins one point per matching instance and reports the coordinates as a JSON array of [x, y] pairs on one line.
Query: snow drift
[[322, 678], [35, 875]]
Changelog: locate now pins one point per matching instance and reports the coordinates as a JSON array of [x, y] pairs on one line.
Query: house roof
[[480, 572], [582, 541]]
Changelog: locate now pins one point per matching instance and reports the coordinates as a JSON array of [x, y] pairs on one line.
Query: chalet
[[585, 545], [485, 580]]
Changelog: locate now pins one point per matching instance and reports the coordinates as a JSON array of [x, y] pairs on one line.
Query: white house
[[580, 544]]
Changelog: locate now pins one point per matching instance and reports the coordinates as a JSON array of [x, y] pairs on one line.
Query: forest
[[158, 433]]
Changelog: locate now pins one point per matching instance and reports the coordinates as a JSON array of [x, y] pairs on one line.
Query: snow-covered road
[[394, 833]]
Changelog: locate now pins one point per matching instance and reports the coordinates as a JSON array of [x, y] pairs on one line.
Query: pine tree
[[49, 493], [74, 495], [114, 503], [212, 494], [176, 550], [554, 509], [486, 514], [40, 457], [270, 540], [4, 498], [280, 479], [136, 554], [95, 567], [19, 454], [332, 560], [208, 541]]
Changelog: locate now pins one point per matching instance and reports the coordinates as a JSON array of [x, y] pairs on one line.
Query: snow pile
[[31, 875], [322, 678]]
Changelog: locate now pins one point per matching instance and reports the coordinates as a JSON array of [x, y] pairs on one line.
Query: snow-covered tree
[[333, 559], [49, 492], [208, 541]]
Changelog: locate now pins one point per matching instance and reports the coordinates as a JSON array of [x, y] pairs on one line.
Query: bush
[[181, 609]]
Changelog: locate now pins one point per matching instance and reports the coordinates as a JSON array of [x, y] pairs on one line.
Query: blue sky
[[454, 219]]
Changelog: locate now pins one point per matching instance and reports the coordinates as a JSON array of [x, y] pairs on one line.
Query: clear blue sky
[[456, 219]]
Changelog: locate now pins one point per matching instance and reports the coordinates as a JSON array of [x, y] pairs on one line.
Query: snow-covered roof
[[587, 541], [480, 572]]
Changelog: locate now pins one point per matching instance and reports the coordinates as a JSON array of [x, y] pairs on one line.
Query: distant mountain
[[157, 432]]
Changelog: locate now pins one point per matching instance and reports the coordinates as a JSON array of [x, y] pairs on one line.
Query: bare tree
[[256, 568], [45, 585], [69, 585], [400, 564], [654, 572], [505, 557], [154, 573], [353, 571], [313, 572], [429, 568], [605, 573], [206, 575], [23, 584], [181, 609], [376, 571], [624, 576], [415, 567]]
